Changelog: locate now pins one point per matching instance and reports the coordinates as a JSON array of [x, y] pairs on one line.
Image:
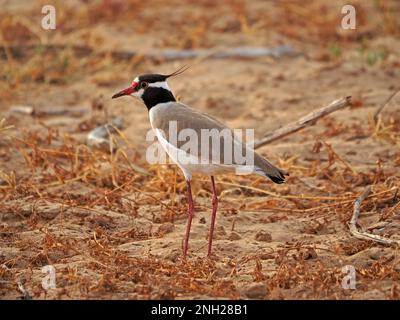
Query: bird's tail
[[267, 169], [279, 177]]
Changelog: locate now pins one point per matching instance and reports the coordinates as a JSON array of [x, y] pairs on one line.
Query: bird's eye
[[144, 85]]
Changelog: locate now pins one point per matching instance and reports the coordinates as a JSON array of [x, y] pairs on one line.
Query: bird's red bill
[[127, 91]]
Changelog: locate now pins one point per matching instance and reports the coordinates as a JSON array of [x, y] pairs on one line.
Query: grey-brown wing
[[198, 133], [207, 138]]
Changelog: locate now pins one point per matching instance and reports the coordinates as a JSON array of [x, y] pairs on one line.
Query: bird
[[164, 112]]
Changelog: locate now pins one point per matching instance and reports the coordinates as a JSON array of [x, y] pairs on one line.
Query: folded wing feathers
[[184, 115]]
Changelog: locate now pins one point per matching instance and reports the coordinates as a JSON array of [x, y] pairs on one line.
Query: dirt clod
[[263, 236], [256, 291]]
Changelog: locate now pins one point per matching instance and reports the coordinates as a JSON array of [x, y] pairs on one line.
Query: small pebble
[[234, 236], [310, 253], [263, 236], [256, 291]]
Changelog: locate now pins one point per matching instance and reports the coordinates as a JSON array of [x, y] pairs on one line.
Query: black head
[[152, 89], [152, 78]]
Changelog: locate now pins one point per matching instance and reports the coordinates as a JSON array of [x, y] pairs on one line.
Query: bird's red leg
[[214, 214], [189, 220]]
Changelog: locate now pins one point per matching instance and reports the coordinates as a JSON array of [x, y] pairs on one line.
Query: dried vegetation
[[107, 221]]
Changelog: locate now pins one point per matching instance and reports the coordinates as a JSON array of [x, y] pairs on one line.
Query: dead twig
[[3, 126], [379, 110], [19, 52], [304, 122], [25, 293], [362, 234]]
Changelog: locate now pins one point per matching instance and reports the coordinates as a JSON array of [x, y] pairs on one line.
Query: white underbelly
[[190, 164]]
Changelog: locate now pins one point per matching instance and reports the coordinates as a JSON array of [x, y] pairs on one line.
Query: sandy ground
[[114, 233]]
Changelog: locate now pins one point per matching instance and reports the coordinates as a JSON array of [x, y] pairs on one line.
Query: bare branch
[[25, 294], [363, 235], [304, 122], [379, 110], [19, 52]]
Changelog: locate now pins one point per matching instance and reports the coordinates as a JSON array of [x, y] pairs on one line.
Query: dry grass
[[67, 182], [77, 208]]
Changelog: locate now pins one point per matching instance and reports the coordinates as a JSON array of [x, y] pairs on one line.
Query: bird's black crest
[[178, 72], [151, 78]]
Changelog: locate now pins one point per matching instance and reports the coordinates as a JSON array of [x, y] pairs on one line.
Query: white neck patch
[[160, 84]]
